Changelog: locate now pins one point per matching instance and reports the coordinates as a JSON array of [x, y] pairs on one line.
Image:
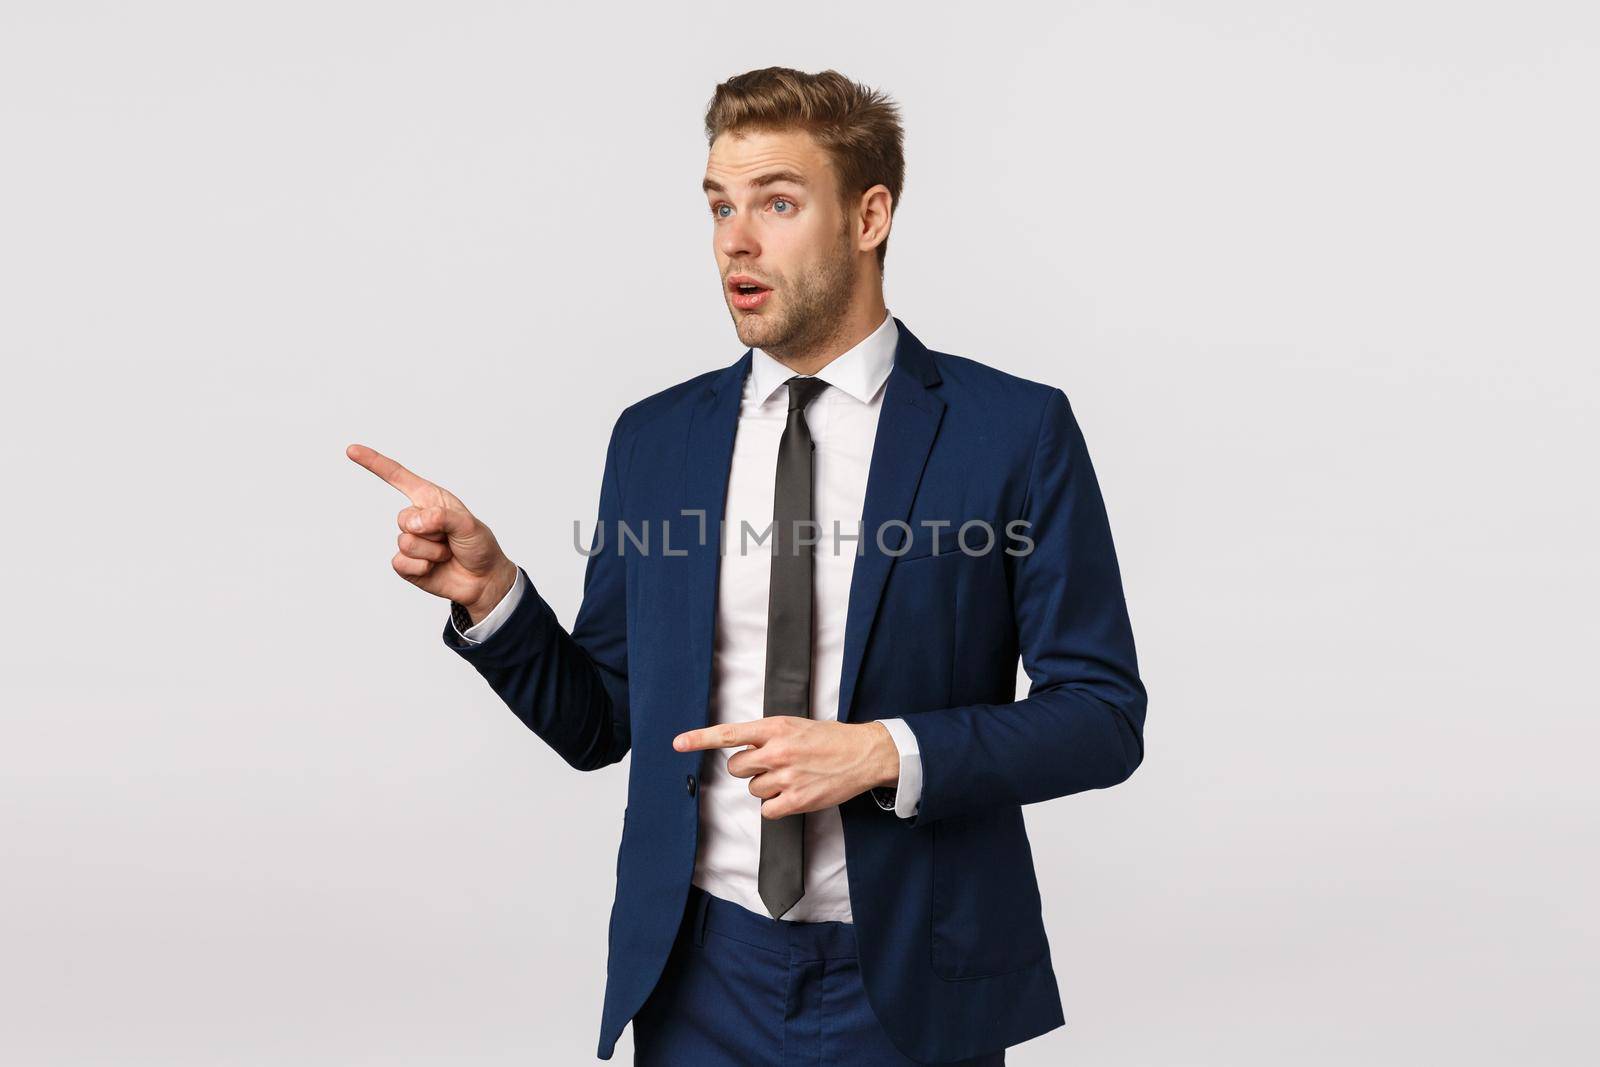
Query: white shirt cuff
[[909, 789], [486, 626]]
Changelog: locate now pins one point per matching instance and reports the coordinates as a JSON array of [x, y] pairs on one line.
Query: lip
[[747, 302]]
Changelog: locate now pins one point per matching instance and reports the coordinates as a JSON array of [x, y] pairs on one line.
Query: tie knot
[[803, 391]]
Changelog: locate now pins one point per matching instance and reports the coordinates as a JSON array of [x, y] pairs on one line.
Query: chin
[[753, 328]]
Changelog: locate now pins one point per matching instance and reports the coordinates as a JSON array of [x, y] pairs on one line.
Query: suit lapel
[[907, 425], [708, 456]]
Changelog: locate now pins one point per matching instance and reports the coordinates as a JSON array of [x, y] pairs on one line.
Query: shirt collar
[[860, 371]]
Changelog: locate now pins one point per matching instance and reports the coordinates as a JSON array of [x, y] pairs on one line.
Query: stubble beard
[[814, 306]]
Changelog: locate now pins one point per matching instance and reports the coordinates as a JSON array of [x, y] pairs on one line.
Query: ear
[[877, 215]]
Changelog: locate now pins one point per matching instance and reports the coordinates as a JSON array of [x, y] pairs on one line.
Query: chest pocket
[[918, 544]]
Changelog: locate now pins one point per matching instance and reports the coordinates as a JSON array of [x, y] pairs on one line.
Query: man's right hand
[[444, 549]]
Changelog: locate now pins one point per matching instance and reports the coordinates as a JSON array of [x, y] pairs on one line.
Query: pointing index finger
[[390, 471], [724, 735]]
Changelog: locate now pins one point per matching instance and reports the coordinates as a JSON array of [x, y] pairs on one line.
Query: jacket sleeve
[[569, 688], [1082, 724]]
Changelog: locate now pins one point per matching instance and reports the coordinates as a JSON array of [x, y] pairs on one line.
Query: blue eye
[[778, 201], [717, 211]]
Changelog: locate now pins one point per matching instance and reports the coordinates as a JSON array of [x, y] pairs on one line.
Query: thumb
[[452, 522]]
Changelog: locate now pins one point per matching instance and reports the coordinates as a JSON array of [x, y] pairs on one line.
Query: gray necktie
[[781, 878]]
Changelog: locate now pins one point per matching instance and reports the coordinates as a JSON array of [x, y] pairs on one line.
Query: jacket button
[[691, 785]]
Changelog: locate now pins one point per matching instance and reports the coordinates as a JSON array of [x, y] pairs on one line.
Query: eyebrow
[[770, 178]]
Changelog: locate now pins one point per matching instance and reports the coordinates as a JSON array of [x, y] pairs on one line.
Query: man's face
[[777, 223]]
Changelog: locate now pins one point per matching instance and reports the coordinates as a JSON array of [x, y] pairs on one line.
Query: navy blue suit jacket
[[946, 905]]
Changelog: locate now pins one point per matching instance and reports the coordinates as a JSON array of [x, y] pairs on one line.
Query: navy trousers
[[742, 989]]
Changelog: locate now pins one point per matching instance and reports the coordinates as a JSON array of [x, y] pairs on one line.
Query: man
[[855, 880]]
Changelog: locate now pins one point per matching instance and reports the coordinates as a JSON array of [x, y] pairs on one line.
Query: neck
[[863, 316]]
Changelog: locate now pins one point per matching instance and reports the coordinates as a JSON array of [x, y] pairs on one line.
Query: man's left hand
[[797, 764]]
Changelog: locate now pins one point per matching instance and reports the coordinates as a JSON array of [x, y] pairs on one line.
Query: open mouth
[[746, 293]]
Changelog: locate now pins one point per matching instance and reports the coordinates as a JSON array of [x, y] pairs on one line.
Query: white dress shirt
[[843, 420]]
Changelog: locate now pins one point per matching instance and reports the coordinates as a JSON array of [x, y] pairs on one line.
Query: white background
[[1319, 278]]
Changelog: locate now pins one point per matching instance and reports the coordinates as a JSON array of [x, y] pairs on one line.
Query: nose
[[734, 239]]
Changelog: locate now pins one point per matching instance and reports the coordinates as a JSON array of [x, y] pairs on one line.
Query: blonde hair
[[858, 127]]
